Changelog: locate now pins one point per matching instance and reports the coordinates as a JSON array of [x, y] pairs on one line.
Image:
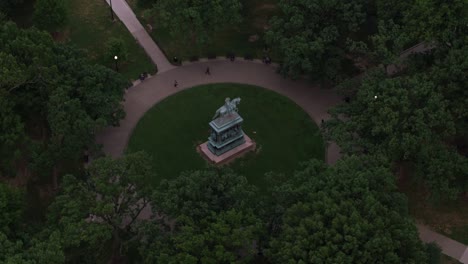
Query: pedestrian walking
[[176, 83], [208, 71]]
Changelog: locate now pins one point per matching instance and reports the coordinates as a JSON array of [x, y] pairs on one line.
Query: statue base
[[228, 156]]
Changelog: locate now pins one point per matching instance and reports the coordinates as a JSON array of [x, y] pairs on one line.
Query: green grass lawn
[[235, 39], [171, 130], [90, 27]]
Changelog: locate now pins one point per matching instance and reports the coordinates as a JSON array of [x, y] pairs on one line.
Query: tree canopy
[[314, 36], [104, 207], [348, 213], [194, 20], [419, 115], [405, 118], [199, 193], [53, 95], [211, 217], [50, 15], [17, 245]]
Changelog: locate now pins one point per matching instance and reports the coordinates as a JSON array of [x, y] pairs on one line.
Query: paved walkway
[[314, 100], [449, 246], [126, 15]]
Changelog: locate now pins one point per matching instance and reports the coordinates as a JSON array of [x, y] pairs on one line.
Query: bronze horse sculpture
[[228, 107]]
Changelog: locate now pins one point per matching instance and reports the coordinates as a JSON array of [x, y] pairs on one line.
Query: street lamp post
[[116, 65], [111, 11]]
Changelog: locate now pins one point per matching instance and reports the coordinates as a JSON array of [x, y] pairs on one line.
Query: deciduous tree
[[194, 20], [50, 15], [224, 237], [395, 116], [105, 206], [116, 47], [312, 35], [351, 212], [212, 217], [58, 94]]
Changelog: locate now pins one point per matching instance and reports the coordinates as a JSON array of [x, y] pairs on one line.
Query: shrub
[[116, 47]]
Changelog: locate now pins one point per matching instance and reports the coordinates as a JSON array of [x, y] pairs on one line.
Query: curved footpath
[[140, 98], [311, 98]]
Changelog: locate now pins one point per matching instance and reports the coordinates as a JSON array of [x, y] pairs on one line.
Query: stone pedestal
[[227, 140], [226, 133], [228, 156]]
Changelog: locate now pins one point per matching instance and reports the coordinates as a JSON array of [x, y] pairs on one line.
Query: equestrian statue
[[228, 107]]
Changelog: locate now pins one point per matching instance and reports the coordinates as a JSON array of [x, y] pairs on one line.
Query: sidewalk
[[126, 15], [449, 246]]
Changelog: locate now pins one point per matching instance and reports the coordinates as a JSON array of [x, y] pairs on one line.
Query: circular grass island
[[172, 129]]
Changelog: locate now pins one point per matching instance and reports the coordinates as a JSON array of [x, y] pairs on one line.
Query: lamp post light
[[116, 66], [111, 11]]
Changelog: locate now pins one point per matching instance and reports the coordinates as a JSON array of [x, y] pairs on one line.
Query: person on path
[[176, 83], [208, 71]]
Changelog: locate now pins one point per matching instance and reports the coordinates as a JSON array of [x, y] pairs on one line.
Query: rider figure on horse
[[228, 107]]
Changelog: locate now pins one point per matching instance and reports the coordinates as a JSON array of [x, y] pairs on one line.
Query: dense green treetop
[[421, 111], [194, 20], [448, 71], [210, 216], [200, 193], [18, 246], [409, 118], [116, 47], [348, 213], [402, 24], [105, 206], [217, 238], [440, 21], [11, 209], [443, 170], [394, 116], [50, 15], [312, 35], [12, 133], [54, 92]]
